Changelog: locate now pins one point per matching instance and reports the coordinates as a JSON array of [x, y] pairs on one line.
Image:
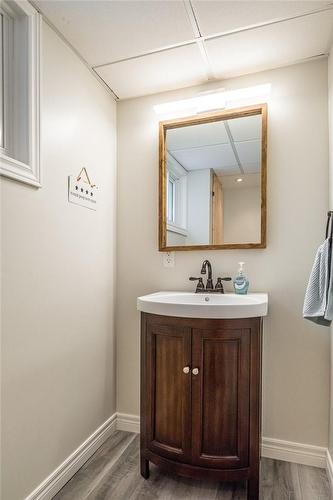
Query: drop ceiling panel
[[248, 152], [244, 129], [251, 168], [196, 136], [230, 181], [226, 171], [270, 46], [217, 157], [106, 31], [155, 72], [223, 16]]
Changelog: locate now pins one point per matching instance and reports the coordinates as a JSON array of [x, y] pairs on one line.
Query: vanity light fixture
[[209, 101], [258, 94], [192, 106]]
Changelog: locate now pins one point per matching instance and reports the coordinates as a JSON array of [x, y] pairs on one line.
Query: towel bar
[[329, 224]]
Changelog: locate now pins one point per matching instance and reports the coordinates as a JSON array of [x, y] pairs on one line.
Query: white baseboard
[[130, 423], [288, 451], [329, 468], [278, 449], [270, 448], [305, 454], [58, 478]]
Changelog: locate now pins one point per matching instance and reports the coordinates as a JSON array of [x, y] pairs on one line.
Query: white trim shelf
[[176, 229]]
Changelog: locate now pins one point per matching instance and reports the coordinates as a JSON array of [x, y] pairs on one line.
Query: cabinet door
[[220, 397], [168, 403]]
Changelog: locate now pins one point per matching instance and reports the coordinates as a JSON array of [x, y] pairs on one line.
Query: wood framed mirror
[[212, 180]]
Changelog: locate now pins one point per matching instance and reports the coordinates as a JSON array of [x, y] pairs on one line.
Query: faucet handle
[[219, 285], [200, 285], [219, 281]]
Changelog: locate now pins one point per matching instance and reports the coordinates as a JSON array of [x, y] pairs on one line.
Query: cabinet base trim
[[196, 471], [288, 451]]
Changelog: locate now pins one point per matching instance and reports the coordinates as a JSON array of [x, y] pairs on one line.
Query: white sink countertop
[[204, 305]]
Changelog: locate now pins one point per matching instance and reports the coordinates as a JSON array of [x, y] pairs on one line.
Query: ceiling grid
[[127, 46], [229, 147]]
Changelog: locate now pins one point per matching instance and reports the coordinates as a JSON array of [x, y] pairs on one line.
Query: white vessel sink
[[204, 305]]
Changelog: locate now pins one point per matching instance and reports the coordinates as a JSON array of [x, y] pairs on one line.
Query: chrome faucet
[[209, 288]]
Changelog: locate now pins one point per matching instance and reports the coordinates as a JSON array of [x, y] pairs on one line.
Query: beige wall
[[242, 215], [296, 352], [58, 279], [330, 107]]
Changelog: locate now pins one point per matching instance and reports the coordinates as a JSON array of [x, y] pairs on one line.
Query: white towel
[[315, 301]]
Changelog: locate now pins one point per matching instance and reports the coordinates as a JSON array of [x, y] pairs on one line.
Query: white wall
[[330, 108], [58, 281], [296, 352], [199, 186], [241, 215]]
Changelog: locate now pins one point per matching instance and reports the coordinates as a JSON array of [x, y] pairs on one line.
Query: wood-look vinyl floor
[[112, 473]]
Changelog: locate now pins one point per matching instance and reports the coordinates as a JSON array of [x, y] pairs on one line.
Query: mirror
[[213, 180]]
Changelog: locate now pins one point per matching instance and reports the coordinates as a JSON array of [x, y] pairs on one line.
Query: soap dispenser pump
[[241, 283]]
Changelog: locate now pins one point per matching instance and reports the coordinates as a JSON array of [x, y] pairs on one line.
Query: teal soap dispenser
[[241, 283]]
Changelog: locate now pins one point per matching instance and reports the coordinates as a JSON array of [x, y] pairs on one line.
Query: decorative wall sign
[[81, 191]]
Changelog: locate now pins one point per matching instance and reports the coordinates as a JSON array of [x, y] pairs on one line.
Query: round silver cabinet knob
[[186, 369], [195, 371]]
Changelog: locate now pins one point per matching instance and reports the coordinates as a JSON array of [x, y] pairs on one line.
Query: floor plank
[[112, 473], [313, 483]]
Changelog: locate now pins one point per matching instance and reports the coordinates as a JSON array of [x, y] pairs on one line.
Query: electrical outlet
[[169, 259]]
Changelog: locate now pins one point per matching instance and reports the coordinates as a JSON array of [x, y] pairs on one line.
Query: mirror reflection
[[213, 185]]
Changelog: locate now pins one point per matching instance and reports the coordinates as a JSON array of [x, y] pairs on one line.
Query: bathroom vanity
[[201, 352], [201, 385]]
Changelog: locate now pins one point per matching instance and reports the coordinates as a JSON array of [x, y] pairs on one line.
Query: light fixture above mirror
[[214, 100]]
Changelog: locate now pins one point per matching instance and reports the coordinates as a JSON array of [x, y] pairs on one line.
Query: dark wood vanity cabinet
[[201, 397]]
